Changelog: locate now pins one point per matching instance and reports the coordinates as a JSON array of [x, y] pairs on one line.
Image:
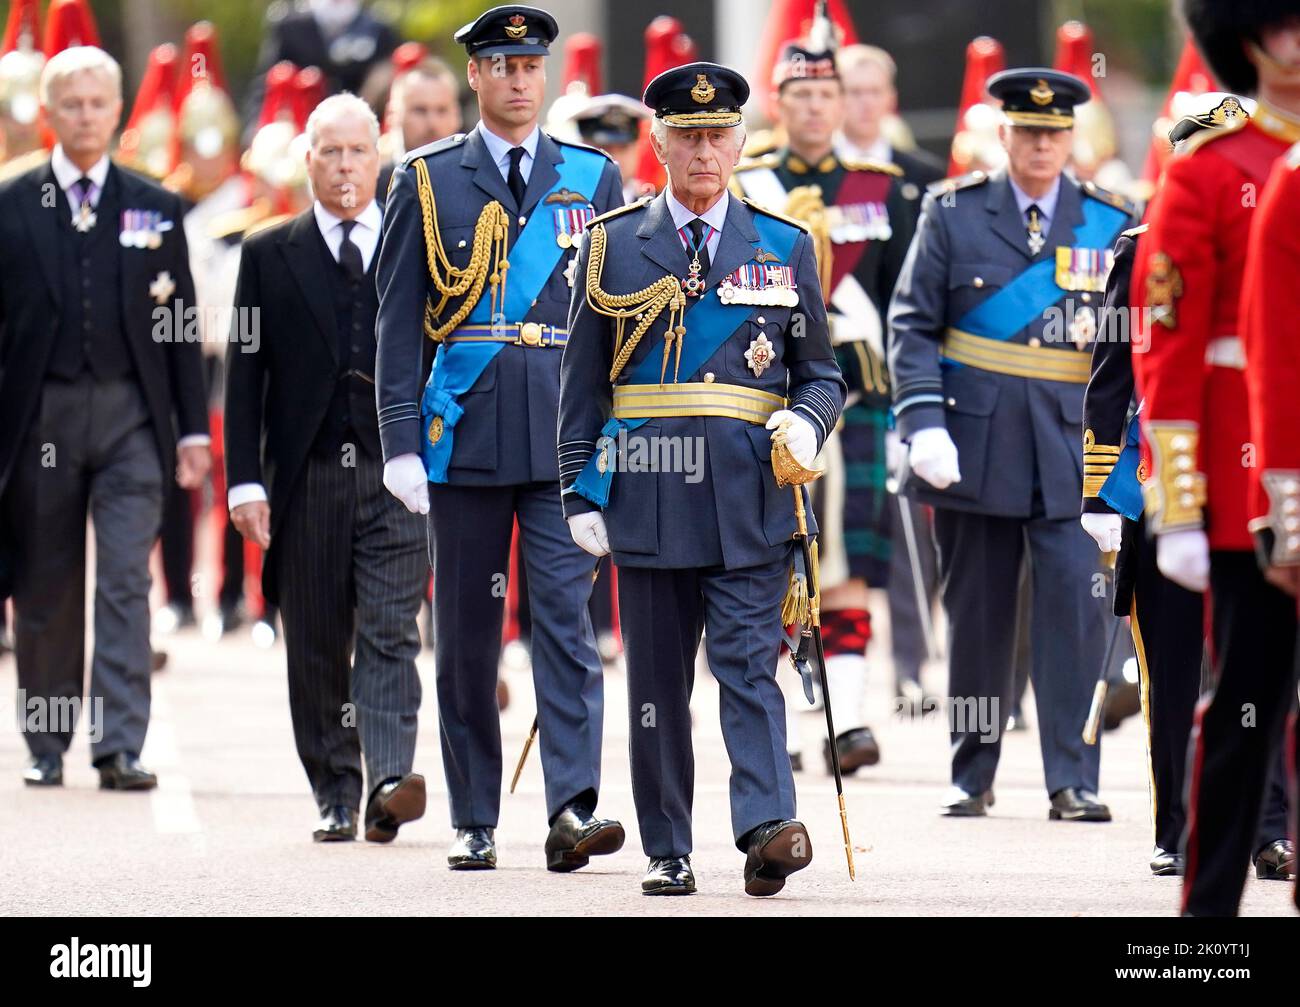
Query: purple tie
[[84, 191]]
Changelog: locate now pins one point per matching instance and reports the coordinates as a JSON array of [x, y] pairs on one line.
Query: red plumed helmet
[[69, 23]]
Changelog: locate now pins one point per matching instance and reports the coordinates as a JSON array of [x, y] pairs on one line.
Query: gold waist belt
[[1043, 362], [695, 398], [514, 333]]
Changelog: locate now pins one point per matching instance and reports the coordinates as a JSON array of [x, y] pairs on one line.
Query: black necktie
[[515, 177], [699, 245], [350, 254]]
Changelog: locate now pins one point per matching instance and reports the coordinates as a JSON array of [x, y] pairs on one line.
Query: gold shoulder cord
[[645, 305], [490, 245], [804, 203]]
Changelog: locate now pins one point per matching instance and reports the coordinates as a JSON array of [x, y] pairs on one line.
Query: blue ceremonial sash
[[1122, 490], [533, 259], [709, 324], [1025, 298]]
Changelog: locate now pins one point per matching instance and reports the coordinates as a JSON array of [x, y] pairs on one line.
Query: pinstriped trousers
[[352, 574]]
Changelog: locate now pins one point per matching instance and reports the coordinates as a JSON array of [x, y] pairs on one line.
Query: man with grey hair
[[730, 352], [101, 399], [345, 561]]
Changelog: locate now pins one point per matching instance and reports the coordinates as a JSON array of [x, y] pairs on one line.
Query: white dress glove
[[405, 478], [933, 457], [1105, 530], [800, 437], [1184, 557], [588, 531], [895, 454]]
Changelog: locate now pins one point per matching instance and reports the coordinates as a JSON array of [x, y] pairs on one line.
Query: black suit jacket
[[170, 373], [277, 397]]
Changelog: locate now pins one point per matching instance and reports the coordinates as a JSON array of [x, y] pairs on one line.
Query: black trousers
[[1237, 729], [1168, 634], [352, 571]]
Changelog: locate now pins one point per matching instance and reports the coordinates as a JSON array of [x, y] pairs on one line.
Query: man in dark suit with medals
[[101, 401]]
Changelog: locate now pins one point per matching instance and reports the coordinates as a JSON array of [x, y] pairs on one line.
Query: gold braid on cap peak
[[645, 305], [488, 254]]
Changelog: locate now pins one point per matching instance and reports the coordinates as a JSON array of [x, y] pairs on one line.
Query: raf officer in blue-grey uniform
[[477, 257], [698, 333], [991, 325]]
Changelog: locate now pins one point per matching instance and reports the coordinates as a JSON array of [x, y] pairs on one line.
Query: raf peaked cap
[[1036, 96], [513, 30], [698, 95]]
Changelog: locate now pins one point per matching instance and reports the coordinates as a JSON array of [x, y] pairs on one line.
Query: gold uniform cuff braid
[[487, 259], [1175, 494], [1098, 461], [1283, 519]]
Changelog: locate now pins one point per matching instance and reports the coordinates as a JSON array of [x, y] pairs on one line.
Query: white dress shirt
[[68, 174], [366, 237], [715, 216], [500, 151], [877, 150]]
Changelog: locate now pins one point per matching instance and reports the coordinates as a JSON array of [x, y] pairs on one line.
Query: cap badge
[[703, 91], [1042, 94], [516, 28]]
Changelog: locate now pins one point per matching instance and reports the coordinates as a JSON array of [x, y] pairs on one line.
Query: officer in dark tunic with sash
[[698, 334], [477, 255], [991, 328]]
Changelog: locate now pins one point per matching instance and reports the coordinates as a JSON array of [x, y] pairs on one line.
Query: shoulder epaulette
[[1199, 139], [581, 146], [269, 222], [1106, 196], [765, 161], [864, 164], [638, 204], [437, 147], [966, 181], [757, 208], [23, 162], [1133, 232]]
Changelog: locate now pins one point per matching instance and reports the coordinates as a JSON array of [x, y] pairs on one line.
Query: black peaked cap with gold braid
[[698, 95]]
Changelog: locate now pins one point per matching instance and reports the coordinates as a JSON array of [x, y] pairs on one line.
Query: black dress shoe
[[857, 748], [474, 849], [1167, 864], [1276, 861], [44, 771], [338, 824], [970, 806], [1070, 804], [578, 835], [124, 772], [669, 876], [775, 851], [395, 802]]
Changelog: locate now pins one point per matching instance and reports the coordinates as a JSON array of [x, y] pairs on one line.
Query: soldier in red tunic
[[1187, 285]]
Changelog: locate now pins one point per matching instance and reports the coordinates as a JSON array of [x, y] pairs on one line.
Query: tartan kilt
[[851, 501]]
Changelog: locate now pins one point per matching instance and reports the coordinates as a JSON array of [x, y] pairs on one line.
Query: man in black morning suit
[[345, 561], [101, 400], [496, 211]]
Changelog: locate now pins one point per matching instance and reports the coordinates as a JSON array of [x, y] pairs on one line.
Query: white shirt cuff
[[244, 493], [195, 440]]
